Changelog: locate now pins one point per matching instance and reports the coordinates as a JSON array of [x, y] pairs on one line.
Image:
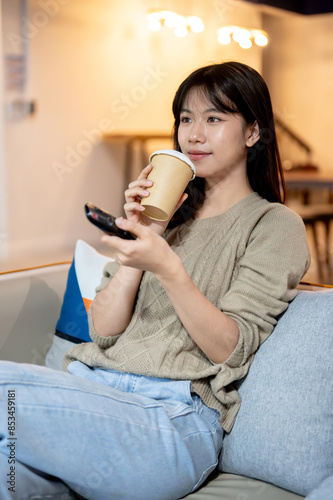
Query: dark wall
[[306, 7]]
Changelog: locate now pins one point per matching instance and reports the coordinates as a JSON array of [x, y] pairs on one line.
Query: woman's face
[[216, 142]]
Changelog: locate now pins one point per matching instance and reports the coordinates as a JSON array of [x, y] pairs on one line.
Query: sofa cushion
[[283, 433], [233, 487], [324, 491], [72, 327], [30, 306]]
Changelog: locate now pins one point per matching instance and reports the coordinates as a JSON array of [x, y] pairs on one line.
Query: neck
[[222, 195]]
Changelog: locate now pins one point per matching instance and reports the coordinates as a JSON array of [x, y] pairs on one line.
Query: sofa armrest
[[30, 302]]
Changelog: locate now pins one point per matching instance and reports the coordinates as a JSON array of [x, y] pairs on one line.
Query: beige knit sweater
[[247, 262]]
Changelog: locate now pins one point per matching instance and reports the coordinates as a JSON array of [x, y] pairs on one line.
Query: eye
[[185, 119], [214, 119]]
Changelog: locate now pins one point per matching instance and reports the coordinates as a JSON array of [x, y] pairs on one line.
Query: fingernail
[[119, 221]]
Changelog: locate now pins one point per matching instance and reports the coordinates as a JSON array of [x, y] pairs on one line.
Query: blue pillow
[[283, 433], [73, 322]]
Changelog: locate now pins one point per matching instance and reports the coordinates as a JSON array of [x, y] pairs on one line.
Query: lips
[[197, 155]]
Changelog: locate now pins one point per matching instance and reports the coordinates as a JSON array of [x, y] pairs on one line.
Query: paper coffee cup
[[171, 173]]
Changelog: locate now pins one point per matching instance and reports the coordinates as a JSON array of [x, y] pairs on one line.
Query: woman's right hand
[[135, 211], [134, 194]]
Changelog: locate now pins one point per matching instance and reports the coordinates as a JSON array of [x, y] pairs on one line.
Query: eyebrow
[[208, 110]]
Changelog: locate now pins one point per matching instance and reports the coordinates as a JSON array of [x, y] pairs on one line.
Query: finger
[[111, 242], [131, 226], [183, 197], [140, 183], [145, 172], [116, 244], [134, 193], [133, 206]]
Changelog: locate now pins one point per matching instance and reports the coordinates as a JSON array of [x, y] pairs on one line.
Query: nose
[[197, 132]]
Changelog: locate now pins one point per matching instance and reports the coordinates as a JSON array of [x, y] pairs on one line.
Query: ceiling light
[[196, 24], [243, 36], [181, 25], [261, 39]]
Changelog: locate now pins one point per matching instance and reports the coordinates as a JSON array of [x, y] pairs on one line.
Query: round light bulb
[[154, 16], [261, 40], [241, 34], [196, 24], [224, 38], [154, 25], [171, 19], [225, 30], [245, 43]]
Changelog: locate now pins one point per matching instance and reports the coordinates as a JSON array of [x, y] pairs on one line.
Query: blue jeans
[[102, 434]]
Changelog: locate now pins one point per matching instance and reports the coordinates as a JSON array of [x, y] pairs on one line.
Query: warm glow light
[[180, 31], [154, 16], [183, 25], [245, 43], [224, 35], [171, 19], [180, 24], [154, 25], [196, 24], [261, 40], [225, 30], [243, 36], [224, 38]]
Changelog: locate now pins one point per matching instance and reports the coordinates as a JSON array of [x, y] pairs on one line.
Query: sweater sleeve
[[276, 258], [109, 271]]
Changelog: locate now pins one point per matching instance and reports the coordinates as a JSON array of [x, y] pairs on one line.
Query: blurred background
[[86, 90]]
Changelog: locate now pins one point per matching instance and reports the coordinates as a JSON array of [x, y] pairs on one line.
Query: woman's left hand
[[149, 252]]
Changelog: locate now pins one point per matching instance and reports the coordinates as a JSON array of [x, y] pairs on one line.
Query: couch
[[281, 446]]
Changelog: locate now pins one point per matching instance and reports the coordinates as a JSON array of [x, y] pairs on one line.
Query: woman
[[179, 316]]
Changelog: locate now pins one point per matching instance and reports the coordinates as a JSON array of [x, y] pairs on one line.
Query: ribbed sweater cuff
[[102, 342]]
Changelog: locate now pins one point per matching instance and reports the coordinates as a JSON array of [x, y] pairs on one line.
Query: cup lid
[[177, 154]]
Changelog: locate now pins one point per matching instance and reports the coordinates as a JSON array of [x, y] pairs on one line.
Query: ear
[[252, 134]]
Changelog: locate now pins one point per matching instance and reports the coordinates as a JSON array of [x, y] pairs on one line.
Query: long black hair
[[234, 87]]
